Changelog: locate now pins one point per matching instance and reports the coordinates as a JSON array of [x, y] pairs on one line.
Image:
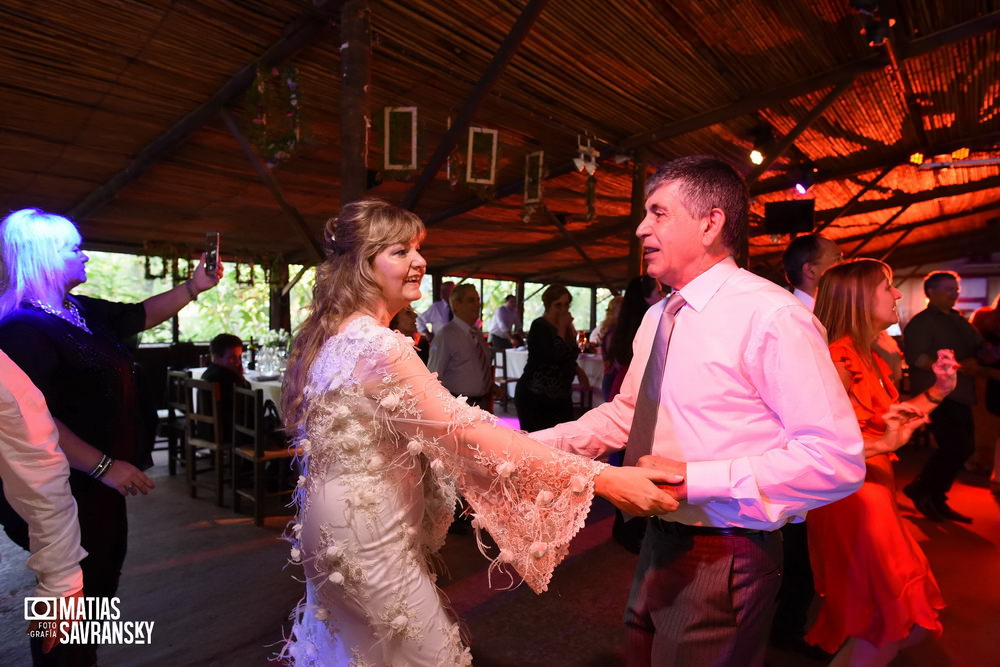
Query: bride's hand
[[635, 490]]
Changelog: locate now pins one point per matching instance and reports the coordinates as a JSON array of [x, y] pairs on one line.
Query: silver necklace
[[71, 315]]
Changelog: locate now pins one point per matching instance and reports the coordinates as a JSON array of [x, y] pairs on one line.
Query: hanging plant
[[159, 259], [182, 273], [275, 113], [247, 279]]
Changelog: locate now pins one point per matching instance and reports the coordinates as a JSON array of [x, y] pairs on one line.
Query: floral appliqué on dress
[[385, 450]]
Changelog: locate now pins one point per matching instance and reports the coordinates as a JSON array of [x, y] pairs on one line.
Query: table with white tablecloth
[[270, 386], [592, 365]]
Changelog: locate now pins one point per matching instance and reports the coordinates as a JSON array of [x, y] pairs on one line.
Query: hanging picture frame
[[481, 156], [400, 142], [534, 164]]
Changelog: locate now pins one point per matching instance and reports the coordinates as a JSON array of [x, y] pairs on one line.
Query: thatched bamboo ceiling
[[96, 93]]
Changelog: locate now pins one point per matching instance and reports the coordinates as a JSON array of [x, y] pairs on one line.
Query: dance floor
[[215, 587]]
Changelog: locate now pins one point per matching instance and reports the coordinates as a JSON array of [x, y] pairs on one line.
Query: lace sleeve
[[532, 499]]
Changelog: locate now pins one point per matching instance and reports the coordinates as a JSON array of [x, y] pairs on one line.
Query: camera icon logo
[[41, 609]]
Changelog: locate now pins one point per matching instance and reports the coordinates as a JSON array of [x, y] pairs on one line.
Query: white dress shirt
[[750, 401], [436, 316], [455, 357], [36, 483], [504, 320]]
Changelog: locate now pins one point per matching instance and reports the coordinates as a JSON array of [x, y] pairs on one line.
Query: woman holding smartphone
[[71, 347]]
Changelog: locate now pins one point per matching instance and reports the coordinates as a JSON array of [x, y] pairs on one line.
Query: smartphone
[[211, 252]]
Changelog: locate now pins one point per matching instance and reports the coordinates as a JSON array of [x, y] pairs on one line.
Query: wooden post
[[636, 214], [280, 311], [355, 69], [519, 293]]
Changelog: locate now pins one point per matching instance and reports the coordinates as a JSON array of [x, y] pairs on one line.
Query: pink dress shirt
[[750, 401], [36, 482]]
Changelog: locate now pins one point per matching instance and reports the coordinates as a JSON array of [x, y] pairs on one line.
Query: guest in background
[[71, 347], [878, 592], [986, 320], [544, 393], [405, 322], [460, 355], [640, 294], [599, 333], [226, 369], [940, 326], [506, 321], [805, 259], [36, 483], [438, 314]]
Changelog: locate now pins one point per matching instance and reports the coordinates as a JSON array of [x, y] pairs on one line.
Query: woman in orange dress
[[878, 593]]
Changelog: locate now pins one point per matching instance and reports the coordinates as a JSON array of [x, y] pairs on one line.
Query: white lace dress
[[385, 448]]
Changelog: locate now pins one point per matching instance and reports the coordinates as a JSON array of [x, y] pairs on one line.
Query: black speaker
[[789, 217]]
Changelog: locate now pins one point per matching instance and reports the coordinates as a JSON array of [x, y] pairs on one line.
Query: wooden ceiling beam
[[608, 227], [493, 71], [786, 141], [890, 161], [301, 226], [873, 205], [836, 76], [979, 210], [559, 222], [302, 32]]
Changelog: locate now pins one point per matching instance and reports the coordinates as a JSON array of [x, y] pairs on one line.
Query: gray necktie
[[640, 436], [484, 359]]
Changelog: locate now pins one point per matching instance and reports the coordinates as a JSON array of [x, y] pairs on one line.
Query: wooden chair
[[174, 417], [253, 449], [203, 431], [500, 376]]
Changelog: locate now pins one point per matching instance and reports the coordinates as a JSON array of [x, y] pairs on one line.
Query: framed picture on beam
[[481, 158], [400, 149], [533, 165]]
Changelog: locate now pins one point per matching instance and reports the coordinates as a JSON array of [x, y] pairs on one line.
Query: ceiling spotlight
[[763, 139], [917, 158], [805, 177], [960, 154]]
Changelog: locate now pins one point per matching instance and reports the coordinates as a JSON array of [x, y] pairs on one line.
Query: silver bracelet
[[102, 467], [191, 292]]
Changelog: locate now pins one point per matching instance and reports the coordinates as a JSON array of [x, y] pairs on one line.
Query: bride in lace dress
[[385, 448]]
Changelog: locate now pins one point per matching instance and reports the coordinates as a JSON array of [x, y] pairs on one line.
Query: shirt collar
[[458, 321], [807, 299], [700, 291]]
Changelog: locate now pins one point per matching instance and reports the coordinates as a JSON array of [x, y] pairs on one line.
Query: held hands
[[201, 280], [676, 469], [945, 372], [634, 490], [127, 479]]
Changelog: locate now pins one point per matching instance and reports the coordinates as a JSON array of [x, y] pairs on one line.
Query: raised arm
[[163, 306], [531, 498]]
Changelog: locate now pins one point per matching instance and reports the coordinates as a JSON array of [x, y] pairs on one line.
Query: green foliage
[[231, 308]]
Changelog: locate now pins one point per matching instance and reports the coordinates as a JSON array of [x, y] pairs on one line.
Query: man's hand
[[49, 641], [635, 491], [670, 466]]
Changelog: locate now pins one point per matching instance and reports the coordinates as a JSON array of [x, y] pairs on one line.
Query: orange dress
[[873, 578]]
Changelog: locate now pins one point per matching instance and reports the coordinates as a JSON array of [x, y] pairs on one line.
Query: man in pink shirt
[[750, 412], [35, 478]]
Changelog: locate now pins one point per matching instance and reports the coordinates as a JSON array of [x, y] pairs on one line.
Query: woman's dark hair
[[630, 316]]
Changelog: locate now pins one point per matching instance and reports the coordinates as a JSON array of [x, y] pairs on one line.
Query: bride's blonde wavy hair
[[345, 284]]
